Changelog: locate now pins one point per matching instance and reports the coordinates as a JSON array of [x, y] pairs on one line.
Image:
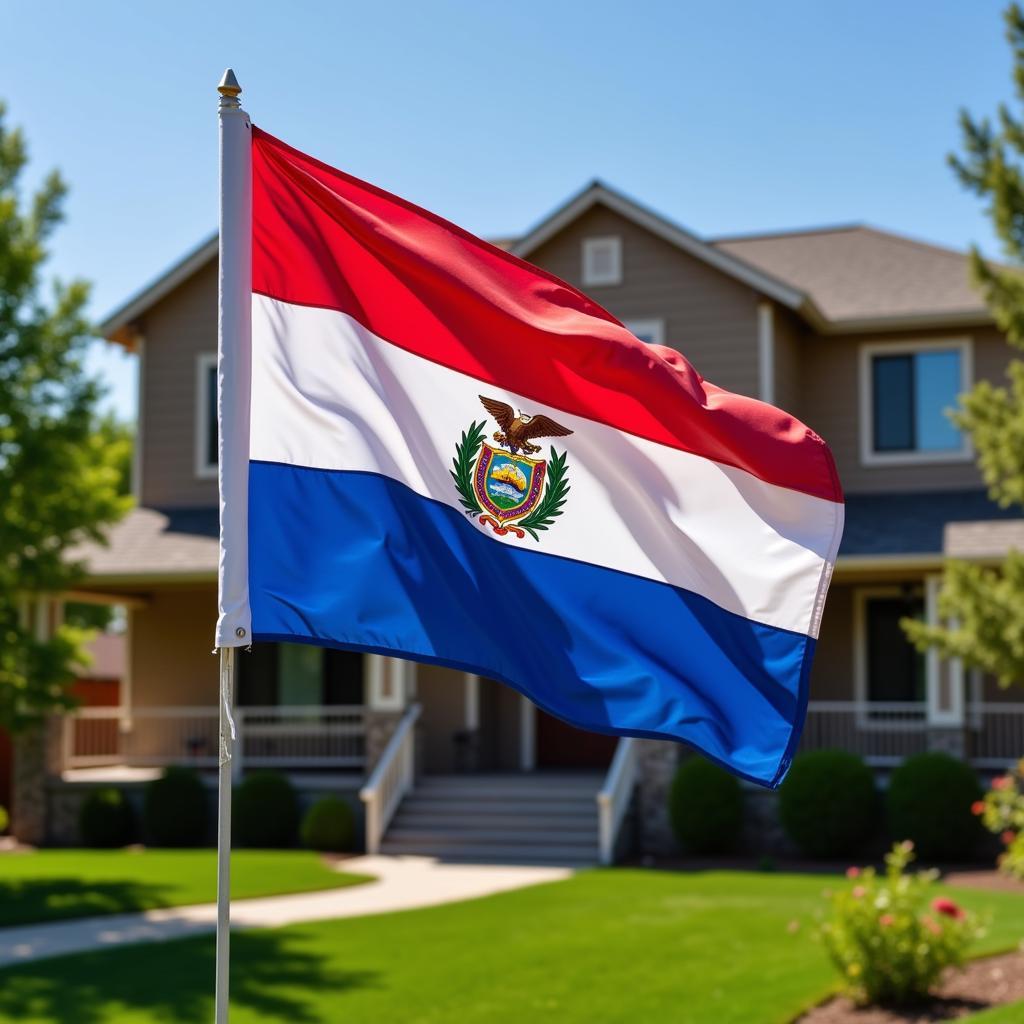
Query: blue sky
[[729, 118]]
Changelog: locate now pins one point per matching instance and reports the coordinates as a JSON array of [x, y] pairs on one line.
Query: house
[[865, 335]]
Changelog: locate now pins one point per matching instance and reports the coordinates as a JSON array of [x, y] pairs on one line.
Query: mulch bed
[[982, 984]]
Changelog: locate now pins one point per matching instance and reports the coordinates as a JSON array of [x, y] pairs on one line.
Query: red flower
[[931, 924], [887, 920], [978, 807], [941, 905], [858, 892], [853, 872], [1008, 837], [1002, 782]]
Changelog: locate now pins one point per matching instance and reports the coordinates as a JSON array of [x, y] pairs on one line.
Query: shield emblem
[[507, 485]]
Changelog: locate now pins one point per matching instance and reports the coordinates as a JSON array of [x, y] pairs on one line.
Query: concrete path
[[402, 883]]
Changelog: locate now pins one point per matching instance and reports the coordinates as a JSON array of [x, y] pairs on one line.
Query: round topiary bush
[[175, 809], [929, 802], [266, 811], [328, 826], [106, 819], [828, 804], [706, 807]]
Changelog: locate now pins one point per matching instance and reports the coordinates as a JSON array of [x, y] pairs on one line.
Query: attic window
[[602, 260]]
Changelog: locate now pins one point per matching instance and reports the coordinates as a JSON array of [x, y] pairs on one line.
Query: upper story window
[[602, 260], [650, 332], [906, 393], [206, 415]]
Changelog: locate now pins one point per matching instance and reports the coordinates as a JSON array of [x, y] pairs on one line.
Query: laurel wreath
[[549, 508], [466, 452], [546, 511]]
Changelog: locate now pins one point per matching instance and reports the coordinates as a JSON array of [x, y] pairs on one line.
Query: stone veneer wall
[[380, 726], [656, 769]]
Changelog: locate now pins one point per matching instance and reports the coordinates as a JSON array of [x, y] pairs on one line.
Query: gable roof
[[840, 279], [861, 277]]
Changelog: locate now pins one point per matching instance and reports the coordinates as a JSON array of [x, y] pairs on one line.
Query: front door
[[563, 746]]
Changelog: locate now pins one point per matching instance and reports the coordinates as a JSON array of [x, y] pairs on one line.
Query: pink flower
[[887, 920], [931, 925], [978, 807], [853, 872], [941, 905], [858, 892], [1008, 837], [1002, 782]]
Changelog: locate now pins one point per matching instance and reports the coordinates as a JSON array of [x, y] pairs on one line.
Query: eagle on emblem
[[519, 429]]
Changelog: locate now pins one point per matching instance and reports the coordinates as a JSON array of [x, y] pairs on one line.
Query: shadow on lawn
[[33, 901], [272, 975]]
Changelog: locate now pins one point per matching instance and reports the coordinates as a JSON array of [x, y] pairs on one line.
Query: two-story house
[[866, 336]]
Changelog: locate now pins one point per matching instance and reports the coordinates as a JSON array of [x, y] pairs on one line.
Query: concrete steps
[[539, 818]]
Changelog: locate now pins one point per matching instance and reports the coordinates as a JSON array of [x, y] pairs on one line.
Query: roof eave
[[978, 317]]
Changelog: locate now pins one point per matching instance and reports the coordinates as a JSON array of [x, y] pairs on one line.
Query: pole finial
[[228, 85]]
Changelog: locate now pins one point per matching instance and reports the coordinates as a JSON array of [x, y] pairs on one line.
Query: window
[[906, 392], [299, 675], [602, 260], [650, 332], [206, 415]]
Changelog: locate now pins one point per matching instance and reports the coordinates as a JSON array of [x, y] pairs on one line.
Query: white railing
[[883, 733], [392, 778], [615, 796], [292, 736], [995, 735]]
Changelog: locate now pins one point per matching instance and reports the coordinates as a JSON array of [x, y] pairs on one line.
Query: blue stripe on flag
[[356, 560]]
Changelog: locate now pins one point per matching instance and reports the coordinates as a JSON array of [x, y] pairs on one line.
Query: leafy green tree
[[986, 604], [60, 469]]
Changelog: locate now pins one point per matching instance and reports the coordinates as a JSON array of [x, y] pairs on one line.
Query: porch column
[[944, 687], [389, 684], [527, 735], [471, 701]]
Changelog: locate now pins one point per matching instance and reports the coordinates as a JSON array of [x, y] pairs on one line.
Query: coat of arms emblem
[[504, 486]]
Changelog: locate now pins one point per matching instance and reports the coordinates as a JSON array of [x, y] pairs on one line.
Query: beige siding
[[177, 330], [830, 375], [789, 344], [832, 673], [171, 644], [708, 316]]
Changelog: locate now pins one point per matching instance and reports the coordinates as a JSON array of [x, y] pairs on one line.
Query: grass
[[602, 947], [51, 885]]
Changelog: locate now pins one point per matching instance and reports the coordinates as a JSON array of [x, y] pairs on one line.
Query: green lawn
[[50, 885], [605, 946]]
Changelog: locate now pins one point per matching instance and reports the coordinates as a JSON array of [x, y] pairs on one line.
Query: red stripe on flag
[[323, 238]]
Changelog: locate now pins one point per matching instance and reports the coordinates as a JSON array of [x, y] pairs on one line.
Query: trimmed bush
[[266, 811], [106, 819], [328, 826], [930, 802], [828, 804], [706, 807], [175, 809], [4, 819]]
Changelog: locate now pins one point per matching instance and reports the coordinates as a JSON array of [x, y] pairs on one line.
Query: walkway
[[402, 883]]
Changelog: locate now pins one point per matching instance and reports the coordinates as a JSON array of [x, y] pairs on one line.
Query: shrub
[[266, 811], [4, 819], [929, 802], [890, 942], [328, 826], [106, 819], [706, 806], [175, 809], [1002, 813], [828, 804]]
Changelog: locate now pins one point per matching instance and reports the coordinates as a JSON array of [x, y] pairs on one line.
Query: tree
[[60, 468], [984, 604]]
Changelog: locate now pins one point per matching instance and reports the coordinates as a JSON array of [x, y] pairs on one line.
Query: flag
[[457, 458]]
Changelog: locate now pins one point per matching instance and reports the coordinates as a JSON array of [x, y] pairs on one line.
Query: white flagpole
[[233, 341]]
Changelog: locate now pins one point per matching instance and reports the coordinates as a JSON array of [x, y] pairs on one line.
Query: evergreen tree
[[986, 605], [60, 469]]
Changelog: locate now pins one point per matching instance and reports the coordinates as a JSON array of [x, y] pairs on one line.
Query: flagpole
[[233, 340]]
